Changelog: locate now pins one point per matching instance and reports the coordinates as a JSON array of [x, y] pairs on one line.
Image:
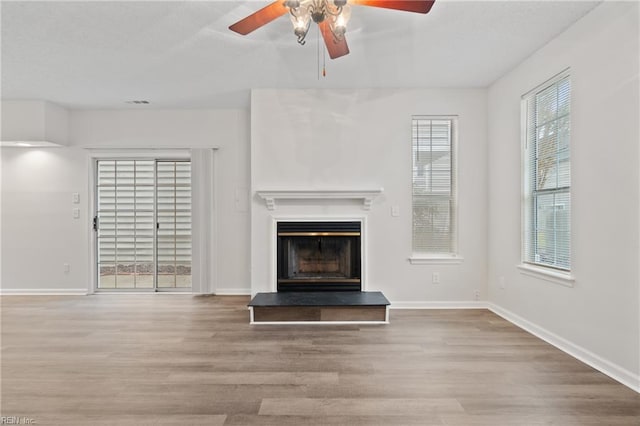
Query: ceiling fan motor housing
[[318, 16]]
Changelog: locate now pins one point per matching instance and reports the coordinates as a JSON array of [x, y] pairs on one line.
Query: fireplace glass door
[[317, 256]]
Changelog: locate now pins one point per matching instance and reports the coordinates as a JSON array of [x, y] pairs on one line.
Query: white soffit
[[28, 144], [33, 124]]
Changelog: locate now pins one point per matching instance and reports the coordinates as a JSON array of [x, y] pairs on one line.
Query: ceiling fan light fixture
[[301, 23], [339, 24], [302, 12]]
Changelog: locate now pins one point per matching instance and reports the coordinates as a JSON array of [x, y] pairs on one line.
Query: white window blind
[[547, 175], [434, 185]]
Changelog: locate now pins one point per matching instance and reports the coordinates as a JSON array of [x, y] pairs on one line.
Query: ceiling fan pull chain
[[324, 62], [318, 50]]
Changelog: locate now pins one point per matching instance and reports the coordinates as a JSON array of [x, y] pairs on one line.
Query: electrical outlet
[[477, 294], [75, 198], [76, 213], [395, 211], [66, 268], [501, 281], [435, 278]]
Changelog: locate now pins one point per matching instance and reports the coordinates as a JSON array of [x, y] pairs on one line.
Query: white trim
[[232, 292], [526, 219], [91, 207], [549, 82], [462, 304], [43, 292], [454, 220], [273, 273], [204, 225], [214, 189], [436, 260], [204, 220], [271, 197], [317, 322], [557, 277], [252, 322], [612, 370], [30, 144], [143, 153], [138, 292]]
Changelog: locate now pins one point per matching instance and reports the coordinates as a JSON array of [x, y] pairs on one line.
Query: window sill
[[556, 277], [435, 260]]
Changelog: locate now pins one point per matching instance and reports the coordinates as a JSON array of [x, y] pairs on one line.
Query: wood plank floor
[[183, 360]]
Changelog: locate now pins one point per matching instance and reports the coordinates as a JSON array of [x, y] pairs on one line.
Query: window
[[434, 186], [547, 175]]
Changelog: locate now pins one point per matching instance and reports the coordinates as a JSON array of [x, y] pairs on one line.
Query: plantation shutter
[[125, 216], [174, 223], [434, 202], [143, 224], [547, 216]]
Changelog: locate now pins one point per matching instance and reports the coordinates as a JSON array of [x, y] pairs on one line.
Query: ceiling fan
[[330, 15]]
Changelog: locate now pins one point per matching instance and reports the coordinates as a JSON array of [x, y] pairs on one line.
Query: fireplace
[[318, 256]]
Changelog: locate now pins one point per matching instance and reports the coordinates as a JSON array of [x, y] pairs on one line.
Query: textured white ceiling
[[181, 54]]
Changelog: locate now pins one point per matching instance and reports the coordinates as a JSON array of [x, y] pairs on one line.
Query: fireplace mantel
[[272, 197]]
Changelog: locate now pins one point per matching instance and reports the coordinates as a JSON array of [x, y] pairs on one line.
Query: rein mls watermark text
[[15, 420]]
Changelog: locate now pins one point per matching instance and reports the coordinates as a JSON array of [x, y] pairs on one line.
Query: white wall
[[597, 319], [47, 180], [226, 130], [359, 139], [39, 233]]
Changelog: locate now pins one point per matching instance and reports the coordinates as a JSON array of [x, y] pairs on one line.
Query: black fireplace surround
[[319, 256]]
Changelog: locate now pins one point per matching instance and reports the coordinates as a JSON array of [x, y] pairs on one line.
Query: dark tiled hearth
[[325, 306]]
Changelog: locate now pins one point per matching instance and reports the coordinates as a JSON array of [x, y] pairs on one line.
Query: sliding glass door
[[173, 213], [143, 224]]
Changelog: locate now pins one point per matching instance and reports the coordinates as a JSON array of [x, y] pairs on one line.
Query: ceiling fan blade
[[418, 6], [260, 18], [336, 48]]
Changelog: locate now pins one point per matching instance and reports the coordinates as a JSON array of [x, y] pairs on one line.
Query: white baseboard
[[43, 292], [84, 292], [232, 292], [612, 370], [462, 304], [318, 322]]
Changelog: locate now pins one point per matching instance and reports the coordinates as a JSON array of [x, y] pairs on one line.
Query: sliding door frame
[[203, 210]]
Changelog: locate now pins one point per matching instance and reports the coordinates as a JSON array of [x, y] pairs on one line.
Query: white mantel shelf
[[367, 196]]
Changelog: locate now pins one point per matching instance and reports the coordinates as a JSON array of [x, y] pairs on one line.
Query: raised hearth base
[[330, 307]]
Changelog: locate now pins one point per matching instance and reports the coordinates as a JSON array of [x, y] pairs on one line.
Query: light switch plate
[[395, 211], [75, 198]]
